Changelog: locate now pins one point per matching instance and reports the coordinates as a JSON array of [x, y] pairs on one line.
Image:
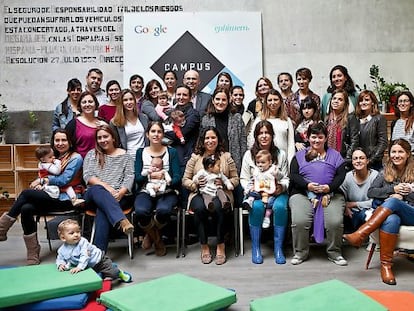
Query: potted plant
[[4, 122], [34, 134], [386, 91]]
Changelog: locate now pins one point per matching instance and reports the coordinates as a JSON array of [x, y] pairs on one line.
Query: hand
[[62, 267], [279, 189], [75, 270], [396, 196], [348, 211], [157, 175], [35, 183], [300, 146], [402, 189]]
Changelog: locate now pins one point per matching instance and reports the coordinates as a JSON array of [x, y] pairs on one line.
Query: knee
[[257, 207], [391, 224]]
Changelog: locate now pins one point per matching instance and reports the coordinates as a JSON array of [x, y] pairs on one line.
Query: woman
[[236, 99], [393, 187], [263, 86], [224, 80], [275, 112], [130, 125], [403, 127], [145, 205], [355, 189], [108, 189], [35, 201], [107, 111], [308, 115], [303, 79], [68, 109], [170, 81], [372, 128], [323, 176], [342, 127], [190, 128], [340, 79], [152, 89], [228, 123], [83, 128], [264, 140], [209, 144]]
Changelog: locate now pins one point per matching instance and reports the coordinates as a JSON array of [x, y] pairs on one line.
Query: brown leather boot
[[387, 246], [5, 223], [358, 237], [126, 226], [146, 242], [33, 248], [160, 249]]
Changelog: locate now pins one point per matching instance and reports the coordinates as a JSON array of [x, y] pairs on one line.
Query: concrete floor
[[248, 280]]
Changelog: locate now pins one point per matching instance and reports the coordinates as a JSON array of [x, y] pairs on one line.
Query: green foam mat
[[34, 283], [329, 295], [175, 292]]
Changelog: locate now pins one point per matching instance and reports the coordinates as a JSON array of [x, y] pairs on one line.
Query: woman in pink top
[[107, 111], [83, 128]]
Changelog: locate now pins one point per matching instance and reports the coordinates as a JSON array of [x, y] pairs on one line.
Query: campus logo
[[188, 53]]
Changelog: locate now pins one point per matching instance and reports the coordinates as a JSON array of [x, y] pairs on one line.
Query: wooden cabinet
[[18, 167]]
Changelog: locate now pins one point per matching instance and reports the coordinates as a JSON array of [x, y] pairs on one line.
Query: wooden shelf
[[6, 158], [24, 156]]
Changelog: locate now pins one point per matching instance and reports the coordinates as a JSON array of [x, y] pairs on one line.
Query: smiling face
[[170, 80], [94, 81], [404, 104], [338, 102], [366, 105], [128, 101], [399, 156], [105, 141], [61, 143], [182, 96], [74, 94], [210, 142], [237, 96], [192, 80], [87, 105], [285, 84], [114, 92], [136, 86], [338, 79], [262, 88], [359, 160], [273, 103], [317, 142], [220, 102], [154, 91]]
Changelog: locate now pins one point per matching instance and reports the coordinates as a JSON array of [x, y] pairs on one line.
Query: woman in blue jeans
[[394, 187], [263, 140], [109, 174]]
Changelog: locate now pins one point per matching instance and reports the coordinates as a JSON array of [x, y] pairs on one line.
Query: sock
[[125, 276]]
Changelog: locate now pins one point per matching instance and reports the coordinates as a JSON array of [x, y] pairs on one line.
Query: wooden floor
[[248, 280]]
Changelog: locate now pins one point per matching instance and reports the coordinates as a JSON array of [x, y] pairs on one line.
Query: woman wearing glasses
[[403, 127]]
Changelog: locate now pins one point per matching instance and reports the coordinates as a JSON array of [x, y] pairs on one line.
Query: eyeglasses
[[403, 101]]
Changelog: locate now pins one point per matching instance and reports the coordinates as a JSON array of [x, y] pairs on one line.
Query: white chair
[[405, 241]]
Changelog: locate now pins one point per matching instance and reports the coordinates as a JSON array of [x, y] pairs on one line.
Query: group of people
[[154, 149]]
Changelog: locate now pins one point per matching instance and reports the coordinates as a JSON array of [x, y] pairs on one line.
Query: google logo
[[156, 31]]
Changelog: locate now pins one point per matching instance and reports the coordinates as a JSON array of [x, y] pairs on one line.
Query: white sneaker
[[296, 260], [266, 223], [340, 261]]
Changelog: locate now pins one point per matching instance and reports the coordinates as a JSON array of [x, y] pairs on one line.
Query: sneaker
[[296, 260], [266, 223], [125, 276], [248, 203], [314, 203], [340, 261]]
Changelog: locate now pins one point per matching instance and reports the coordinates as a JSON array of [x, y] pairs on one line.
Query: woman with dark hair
[[274, 111], [108, 172], [68, 109], [224, 80], [83, 128], [107, 111], [309, 114], [263, 86], [264, 140], [343, 128], [209, 143], [339, 79], [393, 187], [152, 89], [236, 99], [403, 127], [130, 125], [372, 128], [303, 79], [35, 201], [162, 204], [229, 124], [170, 80], [321, 170]]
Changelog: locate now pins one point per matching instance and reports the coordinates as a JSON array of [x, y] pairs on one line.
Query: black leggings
[[201, 215], [35, 202]]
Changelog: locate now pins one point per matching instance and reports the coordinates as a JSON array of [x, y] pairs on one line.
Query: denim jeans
[[403, 214]]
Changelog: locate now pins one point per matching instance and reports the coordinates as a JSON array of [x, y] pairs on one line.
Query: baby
[[156, 186], [263, 187], [163, 107], [49, 165], [178, 121], [77, 254], [313, 197], [210, 190]]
